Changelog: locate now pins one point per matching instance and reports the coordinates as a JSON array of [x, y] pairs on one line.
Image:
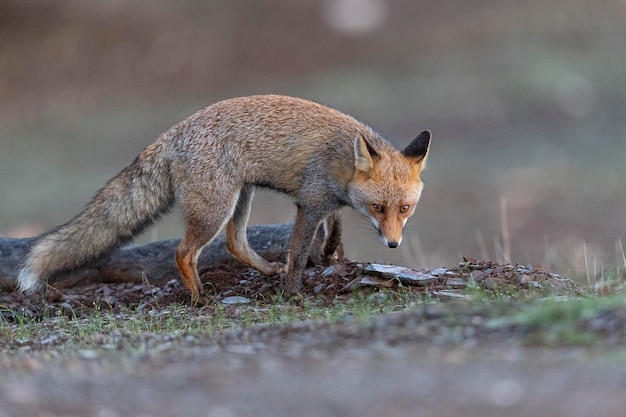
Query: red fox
[[211, 163]]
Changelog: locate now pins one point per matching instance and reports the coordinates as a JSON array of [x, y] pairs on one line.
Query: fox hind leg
[[327, 247], [237, 241], [333, 246], [187, 262], [203, 223], [317, 247]]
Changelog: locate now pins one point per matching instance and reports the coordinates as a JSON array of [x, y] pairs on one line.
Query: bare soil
[[323, 285]]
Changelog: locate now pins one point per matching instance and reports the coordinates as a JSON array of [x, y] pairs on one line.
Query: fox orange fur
[[210, 164]]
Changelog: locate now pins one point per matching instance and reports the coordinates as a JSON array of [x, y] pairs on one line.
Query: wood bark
[[151, 261]]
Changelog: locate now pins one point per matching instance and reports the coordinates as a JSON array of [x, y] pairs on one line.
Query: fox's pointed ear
[[363, 154], [418, 149]]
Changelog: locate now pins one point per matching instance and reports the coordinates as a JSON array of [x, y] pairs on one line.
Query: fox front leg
[[302, 238]]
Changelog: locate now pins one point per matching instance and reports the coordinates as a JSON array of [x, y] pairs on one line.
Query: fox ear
[[363, 154], [418, 149]]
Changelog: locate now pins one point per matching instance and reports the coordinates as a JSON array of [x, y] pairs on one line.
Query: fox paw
[[294, 291], [199, 299], [278, 268]]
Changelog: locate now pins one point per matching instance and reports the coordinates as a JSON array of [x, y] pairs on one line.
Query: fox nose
[[393, 244]]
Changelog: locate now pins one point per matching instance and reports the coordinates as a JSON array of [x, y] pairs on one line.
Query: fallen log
[[152, 261]]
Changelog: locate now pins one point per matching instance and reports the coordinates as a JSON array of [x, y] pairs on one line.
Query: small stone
[[376, 282], [415, 278], [456, 282], [328, 271], [319, 288], [450, 294], [235, 299], [404, 275], [388, 271], [152, 291]]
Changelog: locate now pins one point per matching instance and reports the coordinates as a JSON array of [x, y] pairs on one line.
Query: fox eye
[[378, 208], [405, 208]]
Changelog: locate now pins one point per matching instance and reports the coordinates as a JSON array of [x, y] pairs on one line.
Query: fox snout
[[390, 242], [389, 223]]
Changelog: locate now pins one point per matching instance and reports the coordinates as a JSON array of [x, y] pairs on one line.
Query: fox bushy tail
[[124, 207]]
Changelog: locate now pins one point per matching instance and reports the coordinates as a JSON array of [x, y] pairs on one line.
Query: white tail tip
[[27, 280]]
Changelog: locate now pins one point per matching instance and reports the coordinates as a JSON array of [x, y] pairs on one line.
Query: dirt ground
[[443, 359], [374, 379], [323, 285]]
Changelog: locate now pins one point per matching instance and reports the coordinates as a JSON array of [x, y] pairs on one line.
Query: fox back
[[295, 146], [269, 141]]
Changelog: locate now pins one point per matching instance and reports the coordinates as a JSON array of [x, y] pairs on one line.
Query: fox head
[[386, 185]]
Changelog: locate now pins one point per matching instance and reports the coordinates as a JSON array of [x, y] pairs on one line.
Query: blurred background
[[526, 101]]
